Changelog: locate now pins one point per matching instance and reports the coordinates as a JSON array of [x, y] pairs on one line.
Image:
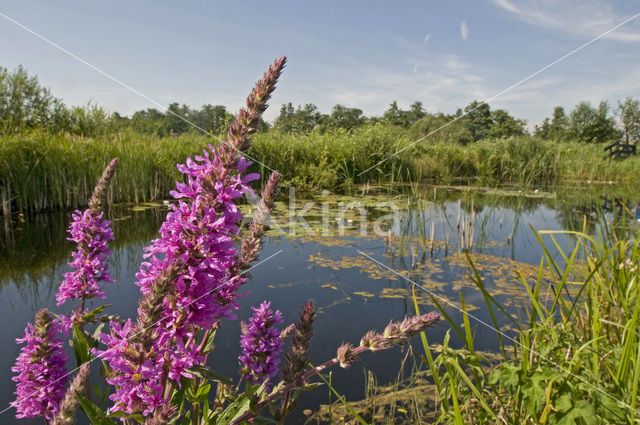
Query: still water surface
[[352, 293]]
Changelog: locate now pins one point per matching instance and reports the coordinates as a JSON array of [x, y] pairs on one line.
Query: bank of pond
[[43, 172]]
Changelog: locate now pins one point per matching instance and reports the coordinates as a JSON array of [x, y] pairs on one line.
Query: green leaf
[[234, 409], [206, 373], [202, 393], [207, 347], [80, 346], [582, 413], [178, 397], [563, 403], [93, 412], [119, 414], [507, 374], [90, 315], [97, 332]]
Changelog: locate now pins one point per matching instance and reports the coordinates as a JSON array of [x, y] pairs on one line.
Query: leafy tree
[[396, 116], [89, 120], [477, 119], [416, 112], [347, 118], [559, 124], [213, 119], [555, 128], [173, 119], [24, 103], [504, 125], [629, 113], [592, 125], [301, 120], [60, 118], [445, 130], [542, 130], [149, 121]]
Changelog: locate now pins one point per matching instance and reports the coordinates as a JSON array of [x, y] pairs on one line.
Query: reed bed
[[40, 171]]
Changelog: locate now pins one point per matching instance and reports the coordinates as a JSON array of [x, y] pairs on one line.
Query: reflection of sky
[[290, 279]]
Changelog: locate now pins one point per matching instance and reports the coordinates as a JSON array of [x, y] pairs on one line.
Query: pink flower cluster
[[197, 240], [40, 367], [261, 344], [91, 234], [138, 387]]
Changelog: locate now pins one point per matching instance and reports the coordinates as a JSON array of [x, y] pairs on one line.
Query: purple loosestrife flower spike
[[261, 344], [297, 357], [91, 234], [70, 403], [251, 245], [41, 369], [398, 333], [248, 118], [98, 199], [190, 278]]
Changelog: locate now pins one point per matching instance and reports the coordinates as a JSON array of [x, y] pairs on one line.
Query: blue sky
[[361, 53]]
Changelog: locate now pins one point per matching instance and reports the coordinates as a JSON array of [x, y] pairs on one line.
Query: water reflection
[[32, 248]]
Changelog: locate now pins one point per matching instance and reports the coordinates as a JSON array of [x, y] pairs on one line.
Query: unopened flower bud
[[345, 355]]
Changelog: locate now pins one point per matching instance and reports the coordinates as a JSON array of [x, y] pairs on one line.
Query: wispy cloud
[[426, 38], [585, 18], [464, 30], [536, 98], [442, 81]]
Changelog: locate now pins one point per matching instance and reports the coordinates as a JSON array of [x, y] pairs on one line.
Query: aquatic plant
[[156, 364]]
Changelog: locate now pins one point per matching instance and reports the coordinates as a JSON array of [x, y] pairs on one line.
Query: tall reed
[[40, 171]]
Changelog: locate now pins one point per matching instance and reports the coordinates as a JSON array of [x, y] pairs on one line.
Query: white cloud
[[464, 30], [442, 81], [584, 18], [426, 38]]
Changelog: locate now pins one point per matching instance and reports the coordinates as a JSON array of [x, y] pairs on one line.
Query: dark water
[[352, 293]]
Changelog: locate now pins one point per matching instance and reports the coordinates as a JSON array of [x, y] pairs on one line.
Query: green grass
[[40, 171], [575, 358]]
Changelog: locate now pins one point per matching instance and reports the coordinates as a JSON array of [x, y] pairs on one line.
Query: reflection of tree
[[512, 200], [33, 249], [572, 204], [613, 208]]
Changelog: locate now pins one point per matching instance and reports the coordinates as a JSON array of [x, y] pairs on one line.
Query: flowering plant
[[156, 364]]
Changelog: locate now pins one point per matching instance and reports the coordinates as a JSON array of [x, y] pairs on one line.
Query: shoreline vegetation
[[50, 152], [40, 171]]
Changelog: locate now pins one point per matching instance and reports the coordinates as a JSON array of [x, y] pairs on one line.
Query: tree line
[[25, 104]]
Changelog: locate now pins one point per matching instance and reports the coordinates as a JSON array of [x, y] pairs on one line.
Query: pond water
[[327, 250]]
